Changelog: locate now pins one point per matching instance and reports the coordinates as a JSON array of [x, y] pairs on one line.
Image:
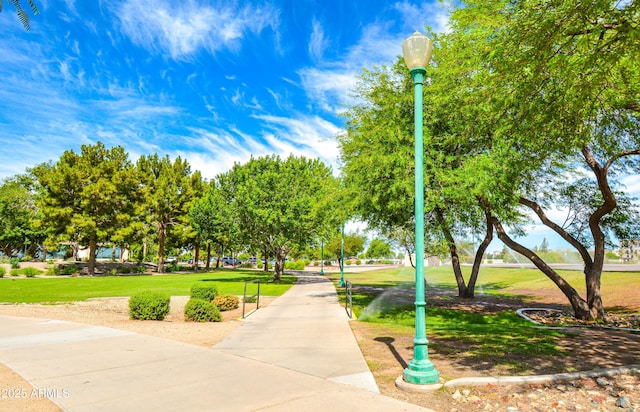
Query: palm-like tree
[[22, 15]]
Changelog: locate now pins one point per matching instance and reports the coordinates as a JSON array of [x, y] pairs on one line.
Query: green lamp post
[[322, 257], [342, 282], [417, 52]]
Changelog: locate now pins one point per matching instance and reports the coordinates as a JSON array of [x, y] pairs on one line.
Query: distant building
[[629, 250], [428, 260]]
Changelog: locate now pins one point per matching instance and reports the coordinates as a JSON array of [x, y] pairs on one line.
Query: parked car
[[170, 260], [231, 261]]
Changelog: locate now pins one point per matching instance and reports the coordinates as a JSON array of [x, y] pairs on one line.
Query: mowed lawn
[[69, 289], [620, 290]]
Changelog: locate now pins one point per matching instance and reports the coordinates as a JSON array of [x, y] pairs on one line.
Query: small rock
[[466, 392], [512, 409], [602, 382], [456, 395], [623, 402]]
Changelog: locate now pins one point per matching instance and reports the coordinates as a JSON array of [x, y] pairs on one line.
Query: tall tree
[[18, 214], [377, 154], [214, 220], [280, 204], [378, 248], [557, 75], [169, 189], [88, 196]]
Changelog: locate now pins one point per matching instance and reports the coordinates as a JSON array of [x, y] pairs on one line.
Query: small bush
[[69, 270], [140, 269], [149, 306], [125, 270], [347, 262], [358, 262], [31, 272], [2, 271], [297, 265], [199, 310], [316, 263], [226, 302], [53, 271], [204, 291], [15, 263]]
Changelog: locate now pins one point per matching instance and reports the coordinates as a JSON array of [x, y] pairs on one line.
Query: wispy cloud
[[181, 29], [317, 43]]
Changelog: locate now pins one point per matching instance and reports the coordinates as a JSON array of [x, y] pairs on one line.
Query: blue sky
[[211, 81]]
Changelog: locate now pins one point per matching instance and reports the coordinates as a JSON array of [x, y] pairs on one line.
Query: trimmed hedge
[[149, 306], [2, 271], [199, 310], [226, 302], [204, 291]]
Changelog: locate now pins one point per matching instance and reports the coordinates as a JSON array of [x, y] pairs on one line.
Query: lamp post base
[[421, 373]]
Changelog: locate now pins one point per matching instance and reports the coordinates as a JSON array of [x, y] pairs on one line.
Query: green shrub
[[307, 262], [140, 269], [69, 270], [316, 263], [2, 271], [204, 291], [149, 306], [347, 262], [327, 263], [358, 262], [199, 310], [226, 302], [31, 272], [15, 263], [53, 271], [124, 270], [297, 265]]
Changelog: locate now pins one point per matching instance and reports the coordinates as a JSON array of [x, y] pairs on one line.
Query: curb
[[520, 312], [518, 380]]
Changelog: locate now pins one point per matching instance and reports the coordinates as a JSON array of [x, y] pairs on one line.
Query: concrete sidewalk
[[297, 354]]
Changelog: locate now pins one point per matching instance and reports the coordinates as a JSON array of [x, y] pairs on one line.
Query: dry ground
[[387, 354]]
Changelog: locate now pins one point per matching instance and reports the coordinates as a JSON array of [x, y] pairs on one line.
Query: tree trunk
[[91, 266], [278, 268], [208, 264], [196, 256], [580, 306], [113, 253], [161, 238], [477, 260], [453, 251], [44, 253]]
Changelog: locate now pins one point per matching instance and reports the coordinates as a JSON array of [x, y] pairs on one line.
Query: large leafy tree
[[87, 197], [377, 153], [18, 213], [280, 204], [214, 220], [564, 104], [22, 15], [169, 188]]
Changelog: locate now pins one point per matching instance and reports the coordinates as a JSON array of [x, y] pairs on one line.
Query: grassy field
[[384, 300], [68, 289]]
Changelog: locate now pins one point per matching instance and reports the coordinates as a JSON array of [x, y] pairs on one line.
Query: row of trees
[[529, 106], [267, 206]]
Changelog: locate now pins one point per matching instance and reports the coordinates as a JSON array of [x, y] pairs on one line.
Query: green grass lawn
[[486, 335], [68, 289]]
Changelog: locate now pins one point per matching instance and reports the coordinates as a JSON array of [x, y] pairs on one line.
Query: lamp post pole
[[322, 257], [342, 283], [420, 370]]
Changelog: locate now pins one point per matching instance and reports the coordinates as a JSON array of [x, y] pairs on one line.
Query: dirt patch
[[388, 352]]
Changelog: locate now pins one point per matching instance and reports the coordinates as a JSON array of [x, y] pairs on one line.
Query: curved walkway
[[297, 354]]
